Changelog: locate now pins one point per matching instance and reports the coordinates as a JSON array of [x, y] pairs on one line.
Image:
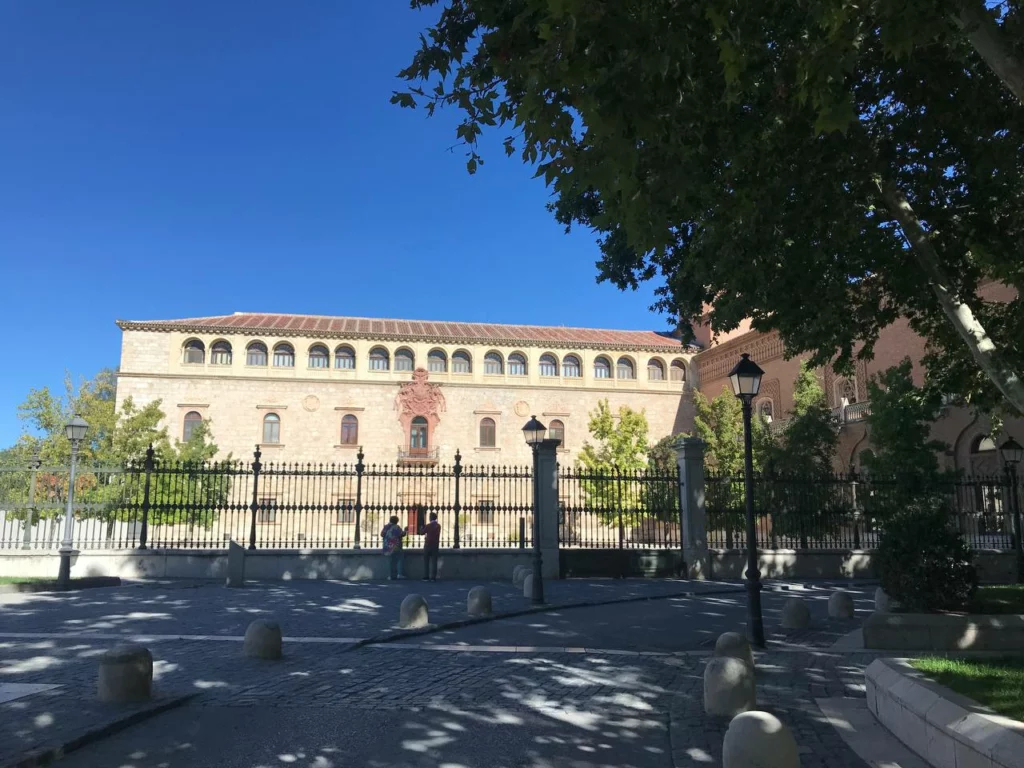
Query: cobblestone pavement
[[614, 704]]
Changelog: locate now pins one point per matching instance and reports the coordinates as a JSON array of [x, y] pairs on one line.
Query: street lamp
[[746, 382], [75, 430], [1013, 453], [534, 432]]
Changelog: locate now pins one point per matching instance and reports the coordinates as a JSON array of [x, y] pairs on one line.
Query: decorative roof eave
[[135, 325]]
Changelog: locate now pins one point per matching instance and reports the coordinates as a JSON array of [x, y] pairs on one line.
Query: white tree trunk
[[991, 43], [959, 312]]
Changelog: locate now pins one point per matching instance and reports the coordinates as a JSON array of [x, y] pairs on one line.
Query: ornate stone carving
[[522, 408], [311, 403], [419, 398]]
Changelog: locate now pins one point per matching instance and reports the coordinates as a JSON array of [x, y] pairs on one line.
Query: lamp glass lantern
[[1012, 452], [534, 431], [746, 377], [76, 429]]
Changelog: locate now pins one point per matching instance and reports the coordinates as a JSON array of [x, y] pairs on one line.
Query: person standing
[[391, 536], [431, 547]]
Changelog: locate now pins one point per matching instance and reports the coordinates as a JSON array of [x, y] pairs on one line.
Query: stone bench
[[943, 632]]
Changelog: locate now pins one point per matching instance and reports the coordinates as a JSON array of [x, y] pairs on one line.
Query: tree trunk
[[992, 44], [959, 313]]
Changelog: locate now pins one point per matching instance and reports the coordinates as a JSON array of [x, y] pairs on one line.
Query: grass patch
[[22, 579], [1005, 598], [996, 683]]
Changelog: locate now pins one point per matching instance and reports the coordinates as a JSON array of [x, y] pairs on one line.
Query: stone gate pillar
[[693, 516], [547, 506]]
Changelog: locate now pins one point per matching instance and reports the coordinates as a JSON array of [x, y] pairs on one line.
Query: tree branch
[[992, 44]]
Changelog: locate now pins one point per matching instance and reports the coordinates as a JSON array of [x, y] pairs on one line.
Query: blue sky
[[179, 158]]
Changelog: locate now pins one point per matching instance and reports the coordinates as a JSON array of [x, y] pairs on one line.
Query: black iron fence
[[618, 509], [845, 511], [204, 505]]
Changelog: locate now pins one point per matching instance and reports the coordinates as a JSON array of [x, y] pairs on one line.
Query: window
[[571, 367], [379, 359], [195, 352], [349, 430], [516, 364], [602, 368], [678, 370], [488, 438], [345, 358], [983, 444], [655, 370], [220, 353], [461, 362], [284, 356], [485, 512], [846, 389], [492, 363], [766, 410], [319, 357], [256, 354], [404, 360], [267, 511], [346, 511], [548, 365], [556, 430], [418, 434], [271, 429], [192, 420], [624, 369], [437, 361]]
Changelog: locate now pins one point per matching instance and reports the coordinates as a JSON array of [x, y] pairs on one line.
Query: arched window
[[766, 410], [462, 362], [571, 367], [488, 436], [678, 370], [493, 363], [418, 434], [256, 354], [345, 358], [602, 368], [655, 370], [349, 430], [195, 352], [404, 360], [271, 429], [220, 353], [845, 389], [548, 365], [192, 420], [983, 444], [516, 364], [437, 361], [284, 356], [319, 357], [556, 430], [624, 369], [379, 359]]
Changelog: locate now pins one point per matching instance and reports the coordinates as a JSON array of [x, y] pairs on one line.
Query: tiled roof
[[410, 330]]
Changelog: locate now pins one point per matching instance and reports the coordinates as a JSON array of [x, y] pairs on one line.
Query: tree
[[620, 451], [661, 489], [807, 447], [751, 153]]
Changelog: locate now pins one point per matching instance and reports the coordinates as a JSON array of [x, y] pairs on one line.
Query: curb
[[400, 634], [86, 582], [47, 755]]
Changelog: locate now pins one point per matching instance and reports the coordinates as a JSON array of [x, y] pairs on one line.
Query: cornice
[[133, 325], [716, 362]]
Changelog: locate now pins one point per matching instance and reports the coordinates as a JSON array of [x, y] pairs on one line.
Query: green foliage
[[923, 561], [747, 154], [621, 449], [807, 447], [661, 493]]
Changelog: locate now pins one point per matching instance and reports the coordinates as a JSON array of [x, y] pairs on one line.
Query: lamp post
[[534, 433], [1013, 453], [746, 381], [75, 430]]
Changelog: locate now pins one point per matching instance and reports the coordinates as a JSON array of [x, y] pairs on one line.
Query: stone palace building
[[315, 389]]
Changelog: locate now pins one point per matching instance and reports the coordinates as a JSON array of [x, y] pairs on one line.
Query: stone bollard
[[263, 640], [796, 614], [236, 564], [413, 612], [840, 605], [734, 645], [759, 740], [517, 574], [478, 602], [728, 686], [518, 579], [528, 584], [884, 603], [126, 674]]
